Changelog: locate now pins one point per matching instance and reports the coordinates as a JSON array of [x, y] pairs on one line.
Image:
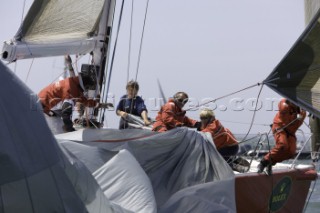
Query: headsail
[[59, 27], [297, 76]]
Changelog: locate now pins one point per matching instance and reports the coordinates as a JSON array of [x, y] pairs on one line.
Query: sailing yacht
[[134, 170]]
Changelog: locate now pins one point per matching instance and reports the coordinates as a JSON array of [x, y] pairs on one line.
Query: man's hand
[[147, 122], [123, 114]]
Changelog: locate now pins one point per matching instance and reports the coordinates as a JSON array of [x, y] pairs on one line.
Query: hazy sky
[[207, 48]]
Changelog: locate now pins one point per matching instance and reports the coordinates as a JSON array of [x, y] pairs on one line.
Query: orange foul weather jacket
[[285, 138], [68, 88], [222, 137], [171, 116]]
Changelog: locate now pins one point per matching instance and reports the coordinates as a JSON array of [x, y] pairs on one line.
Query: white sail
[[58, 27]]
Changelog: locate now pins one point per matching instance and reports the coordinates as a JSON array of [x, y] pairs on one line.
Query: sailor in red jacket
[[171, 114], [285, 124], [67, 92], [225, 142]]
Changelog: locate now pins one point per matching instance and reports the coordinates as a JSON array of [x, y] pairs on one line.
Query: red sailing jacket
[[171, 116], [222, 136], [68, 88], [286, 114]]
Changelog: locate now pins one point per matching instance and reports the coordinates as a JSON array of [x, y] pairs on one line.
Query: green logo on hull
[[280, 194]]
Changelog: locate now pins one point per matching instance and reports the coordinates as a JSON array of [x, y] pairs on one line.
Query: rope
[[29, 70], [296, 158], [254, 112], [255, 149], [249, 139]]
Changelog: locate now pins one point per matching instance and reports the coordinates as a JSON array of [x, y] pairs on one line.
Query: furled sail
[[56, 28], [297, 76]]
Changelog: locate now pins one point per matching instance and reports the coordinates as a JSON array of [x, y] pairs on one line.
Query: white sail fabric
[[61, 20]]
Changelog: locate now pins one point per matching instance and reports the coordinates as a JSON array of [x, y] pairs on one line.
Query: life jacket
[[68, 88], [171, 116], [221, 136], [287, 114]]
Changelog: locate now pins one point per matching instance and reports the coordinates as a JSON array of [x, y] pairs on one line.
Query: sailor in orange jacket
[[285, 124], [66, 89], [68, 92], [225, 142], [171, 114]]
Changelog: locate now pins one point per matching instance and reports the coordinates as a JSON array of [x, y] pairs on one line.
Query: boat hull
[[283, 191]]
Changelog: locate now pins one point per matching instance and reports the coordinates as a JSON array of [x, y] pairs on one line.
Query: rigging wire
[[224, 96], [140, 50], [23, 8], [141, 41], [130, 41], [244, 123], [254, 113]]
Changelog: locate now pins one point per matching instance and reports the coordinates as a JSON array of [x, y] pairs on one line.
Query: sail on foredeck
[[297, 76]]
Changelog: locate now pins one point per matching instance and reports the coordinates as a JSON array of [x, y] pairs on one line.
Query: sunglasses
[[183, 101]]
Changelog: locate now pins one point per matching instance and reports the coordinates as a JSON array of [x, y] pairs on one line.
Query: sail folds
[[32, 178], [297, 76]]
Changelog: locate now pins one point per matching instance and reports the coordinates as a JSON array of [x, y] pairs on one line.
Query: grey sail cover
[[178, 171], [297, 76], [31, 176]]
